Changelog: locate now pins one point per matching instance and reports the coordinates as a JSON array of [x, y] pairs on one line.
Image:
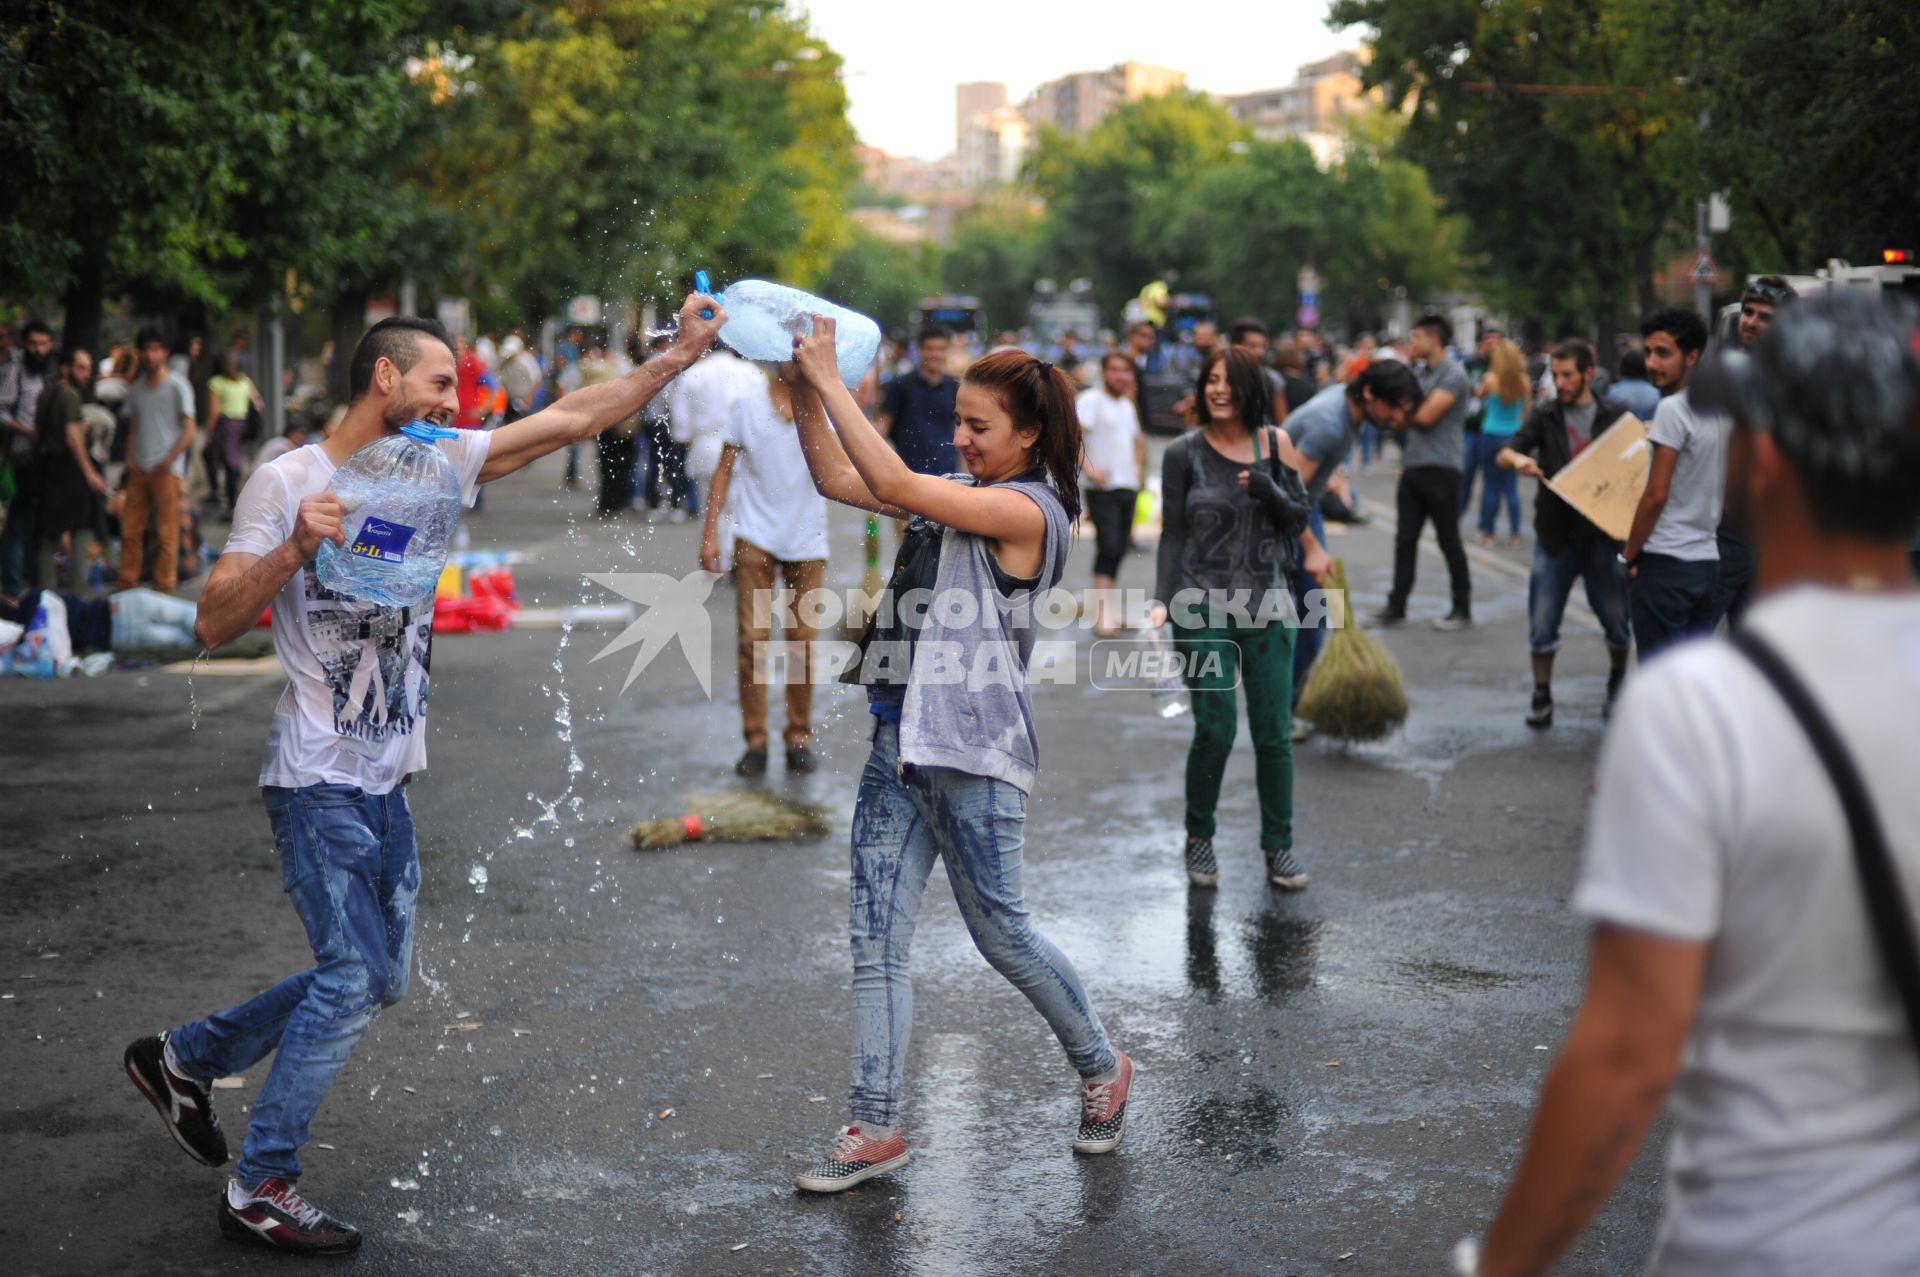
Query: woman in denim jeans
[[954, 752]]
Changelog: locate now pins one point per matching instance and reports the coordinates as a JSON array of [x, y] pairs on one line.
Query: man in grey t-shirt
[[160, 430], [1430, 480], [1672, 554]]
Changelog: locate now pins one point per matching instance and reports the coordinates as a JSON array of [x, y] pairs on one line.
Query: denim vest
[[967, 703]]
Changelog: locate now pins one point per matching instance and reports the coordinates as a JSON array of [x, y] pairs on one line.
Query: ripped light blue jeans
[[905, 819], [349, 863]]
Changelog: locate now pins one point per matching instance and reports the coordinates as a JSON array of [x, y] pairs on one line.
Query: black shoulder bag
[[1879, 879]]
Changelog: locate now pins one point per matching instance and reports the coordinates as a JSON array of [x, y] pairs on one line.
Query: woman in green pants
[[1233, 518]]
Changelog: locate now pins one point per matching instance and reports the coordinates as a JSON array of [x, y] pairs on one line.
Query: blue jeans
[[1597, 564], [1672, 600], [347, 858], [1496, 485], [904, 819]]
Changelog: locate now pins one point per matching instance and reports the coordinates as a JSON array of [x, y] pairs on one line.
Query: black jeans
[[1672, 599], [1429, 492], [1112, 514], [1733, 586], [617, 455]]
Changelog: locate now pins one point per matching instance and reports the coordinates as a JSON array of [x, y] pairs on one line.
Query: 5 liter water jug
[[763, 318], [403, 503]]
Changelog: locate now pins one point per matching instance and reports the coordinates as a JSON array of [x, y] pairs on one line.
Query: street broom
[[1354, 691], [739, 816]]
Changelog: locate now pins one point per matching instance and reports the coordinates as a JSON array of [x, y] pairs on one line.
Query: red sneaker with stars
[[854, 1157], [1103, 1110]]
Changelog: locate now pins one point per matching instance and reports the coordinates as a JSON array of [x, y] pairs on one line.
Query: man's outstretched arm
[[586, 412]]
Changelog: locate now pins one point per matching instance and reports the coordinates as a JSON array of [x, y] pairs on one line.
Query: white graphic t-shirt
[[355, 708]]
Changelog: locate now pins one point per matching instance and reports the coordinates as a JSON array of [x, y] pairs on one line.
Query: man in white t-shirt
[[762, 488], [1672, 554], [1113, 459], [1733, 961], [349, 732]]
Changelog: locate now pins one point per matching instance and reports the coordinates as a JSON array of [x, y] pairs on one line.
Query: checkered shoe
[[1284, 872], [1202, 869], [1103, 1110], [852, 1159]]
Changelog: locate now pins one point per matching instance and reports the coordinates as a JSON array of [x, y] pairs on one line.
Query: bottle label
[[383, 540]]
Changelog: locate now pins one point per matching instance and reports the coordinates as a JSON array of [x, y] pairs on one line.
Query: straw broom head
[[735, 816], [1354, 691]]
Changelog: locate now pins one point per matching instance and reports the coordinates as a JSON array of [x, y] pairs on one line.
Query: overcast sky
[[903, 60]]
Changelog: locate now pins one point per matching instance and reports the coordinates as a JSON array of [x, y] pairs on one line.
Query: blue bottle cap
[[703, 284], [426, 431]]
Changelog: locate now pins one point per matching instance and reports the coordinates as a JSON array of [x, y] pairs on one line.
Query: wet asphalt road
[[614, 1062]]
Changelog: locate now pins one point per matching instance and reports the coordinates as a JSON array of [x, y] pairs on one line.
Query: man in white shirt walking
[[347, 736], [1113, 461], [1733, 961], [779, 524]]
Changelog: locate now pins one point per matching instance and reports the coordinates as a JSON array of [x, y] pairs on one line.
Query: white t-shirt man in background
[[1733, 960], [348, 734], [765, 513], [1672, 554], [1113, 461]]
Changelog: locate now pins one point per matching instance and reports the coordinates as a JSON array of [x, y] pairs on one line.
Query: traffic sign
[[1705, 270], [1307, 316]]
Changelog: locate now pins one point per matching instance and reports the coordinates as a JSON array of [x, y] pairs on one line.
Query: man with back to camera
[[1760, 301], [1734, 964], [1567, 545], [1434, 445], [1672, 553], [348, 734]]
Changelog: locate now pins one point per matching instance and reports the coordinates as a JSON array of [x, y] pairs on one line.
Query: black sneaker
[[1284, 872], [184, 1103], [1453, 621], [1202, 869], [752, 763], [1540, 714], [1387, 618], [277, 1215], [801, 759]]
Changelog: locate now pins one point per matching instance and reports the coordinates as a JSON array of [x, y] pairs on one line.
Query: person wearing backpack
[[1753, 863]]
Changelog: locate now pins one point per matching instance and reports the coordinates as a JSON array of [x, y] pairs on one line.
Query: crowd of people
[[1784, 461]]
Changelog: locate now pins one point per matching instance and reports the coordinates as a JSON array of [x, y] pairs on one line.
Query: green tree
[[1098, 188], [880, 278], [1555, 129], [616, 145], [996, 252]]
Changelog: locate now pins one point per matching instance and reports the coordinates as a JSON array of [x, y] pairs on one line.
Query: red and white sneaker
[[276, 1214], [1103, 1110], [854, 1158]]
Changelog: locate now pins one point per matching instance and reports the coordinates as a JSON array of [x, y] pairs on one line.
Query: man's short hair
[[1240, 328], [1577, 349], [934, 332], [1387, 381], [1287, 357], [1438, 324], [33, 326], [67, 354], [149, 336], [1836, 382], [1682, 323], [1633, 366], [1492, 330], [395, 339]]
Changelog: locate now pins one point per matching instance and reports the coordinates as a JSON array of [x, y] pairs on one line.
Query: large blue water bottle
[[763, 318], [403, 503]]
